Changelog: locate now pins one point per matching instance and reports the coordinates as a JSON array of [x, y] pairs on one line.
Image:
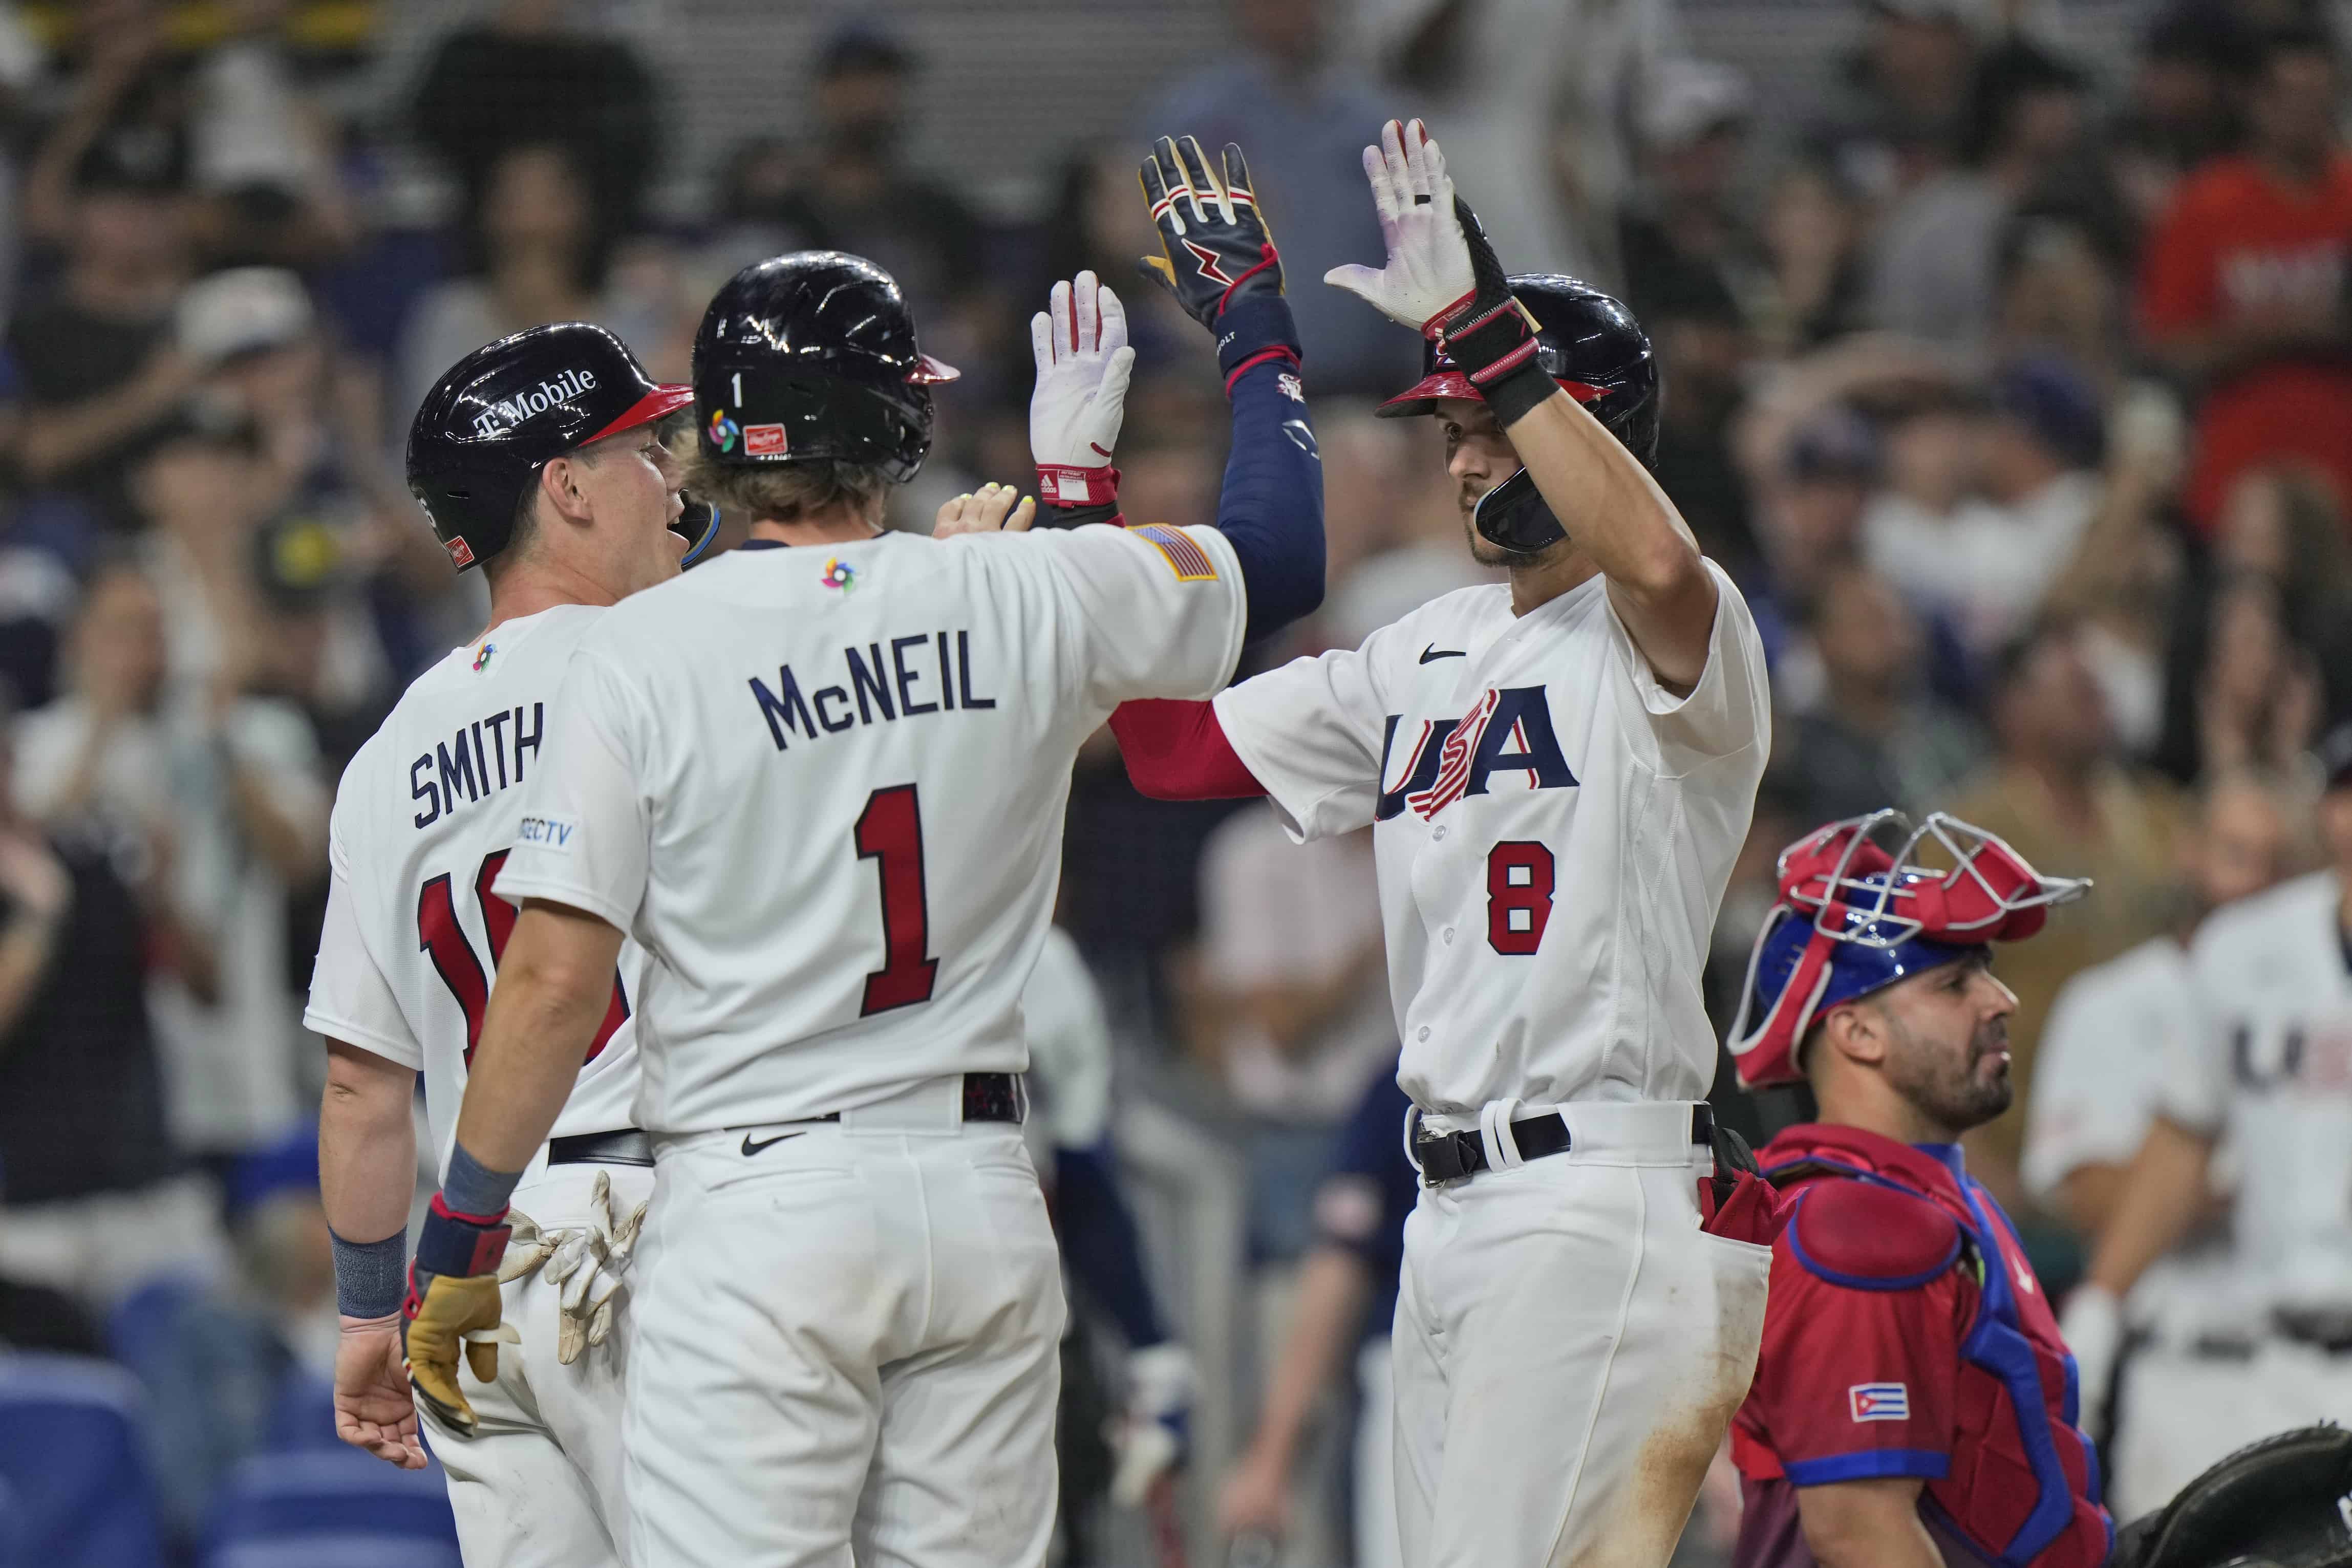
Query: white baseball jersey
[[1553, 829], [2272, 1068], [823, 786], [2113, 1035], [424, 819], [1069, 1051]]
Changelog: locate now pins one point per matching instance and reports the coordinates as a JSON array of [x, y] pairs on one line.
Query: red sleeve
[[1855, 1383], [2177, 285], [1178, 751]]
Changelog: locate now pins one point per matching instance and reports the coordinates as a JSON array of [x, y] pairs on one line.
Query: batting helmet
[[498, 416], [1853, 918], [811, 358], [1589, 343]]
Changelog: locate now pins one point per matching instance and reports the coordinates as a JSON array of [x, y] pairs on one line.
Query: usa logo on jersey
[[1509, 731], [1880, 1401]]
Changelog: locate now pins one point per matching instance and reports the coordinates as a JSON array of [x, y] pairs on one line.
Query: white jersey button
[[1449, 934], [1439, 834], [1424, 1032]]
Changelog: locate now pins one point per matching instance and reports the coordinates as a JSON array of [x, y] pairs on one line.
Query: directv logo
[[508, 412]]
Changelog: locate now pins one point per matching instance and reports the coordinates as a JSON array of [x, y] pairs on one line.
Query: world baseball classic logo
[[1879, 1401]]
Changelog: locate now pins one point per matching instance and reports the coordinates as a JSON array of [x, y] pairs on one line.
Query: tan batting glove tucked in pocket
[[456, 1310]]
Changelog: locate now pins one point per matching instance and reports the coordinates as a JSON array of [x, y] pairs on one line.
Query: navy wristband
[[370, 1277], [1252, 326], [472, 1187]]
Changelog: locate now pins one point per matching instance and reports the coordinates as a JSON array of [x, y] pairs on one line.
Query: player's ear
[[1855, 1033]]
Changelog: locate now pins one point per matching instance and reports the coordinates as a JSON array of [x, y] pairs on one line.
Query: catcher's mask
[[1853, 918]]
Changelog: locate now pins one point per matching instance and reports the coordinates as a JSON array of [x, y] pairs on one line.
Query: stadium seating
[[314, 1509], [70, 1456]]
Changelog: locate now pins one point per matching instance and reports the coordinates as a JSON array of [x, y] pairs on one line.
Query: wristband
[[461, 1245], [1062, 484], [370, 1277], [472, 1187], [1252, 327], [1052, 516]]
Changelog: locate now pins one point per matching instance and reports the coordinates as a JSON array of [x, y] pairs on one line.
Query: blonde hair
[[786, 493]]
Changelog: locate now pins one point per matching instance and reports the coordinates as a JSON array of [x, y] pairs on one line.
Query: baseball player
[[2268, 1066], [1914, 1405], [540, 460], [821, 780], [2098, 1081], [1069, 1085], [1558, 772]]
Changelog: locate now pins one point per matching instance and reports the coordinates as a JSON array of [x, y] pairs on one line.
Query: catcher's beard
[[1955, 1091]]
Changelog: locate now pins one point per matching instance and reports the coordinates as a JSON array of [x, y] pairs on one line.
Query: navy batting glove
[[1218, 256]]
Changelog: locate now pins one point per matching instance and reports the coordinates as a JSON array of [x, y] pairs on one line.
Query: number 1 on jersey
[[890, 830]]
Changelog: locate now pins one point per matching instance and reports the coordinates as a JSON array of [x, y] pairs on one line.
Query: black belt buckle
[[1443, 1159], [992, 1097]]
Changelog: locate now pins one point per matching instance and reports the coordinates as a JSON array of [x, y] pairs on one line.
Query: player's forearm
[[1271, 508], [1099, 1237], [553, 987], [2162, 1199], [367, 1174], [1332, 1288], [1867, 1524]]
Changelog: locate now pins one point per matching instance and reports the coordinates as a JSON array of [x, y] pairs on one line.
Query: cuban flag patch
[[1879, 1401]]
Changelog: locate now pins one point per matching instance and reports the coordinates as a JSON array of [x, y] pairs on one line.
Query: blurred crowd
[[2013, 388]]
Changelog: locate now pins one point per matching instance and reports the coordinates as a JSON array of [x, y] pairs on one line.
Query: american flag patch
[[1879, 1401], [1188, 560]]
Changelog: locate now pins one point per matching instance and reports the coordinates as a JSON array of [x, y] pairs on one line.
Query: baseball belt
[[1449, 1156]]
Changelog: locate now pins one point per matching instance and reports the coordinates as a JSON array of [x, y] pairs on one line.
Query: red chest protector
[[2023, 1486]]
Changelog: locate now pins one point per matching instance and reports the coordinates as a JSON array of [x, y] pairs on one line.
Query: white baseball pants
[[848, 1346], [539, 1485], [1569, 1348], [2183, 1413]]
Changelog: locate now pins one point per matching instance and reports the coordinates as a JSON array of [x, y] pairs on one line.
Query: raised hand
[[1216, 249], [1427, 276], [1080, 401]]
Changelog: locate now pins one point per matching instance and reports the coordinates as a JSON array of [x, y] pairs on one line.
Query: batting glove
[[1154, 1434], [1442, 276], [453, 1303], [1217, 255], [589, 1262], [2093, 1327], [1083, 366]]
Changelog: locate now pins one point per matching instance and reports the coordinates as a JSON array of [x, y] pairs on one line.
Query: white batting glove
[[588, 1261], [1155, 1431], [1083, 366], [2093, 1327], [1428, 276]]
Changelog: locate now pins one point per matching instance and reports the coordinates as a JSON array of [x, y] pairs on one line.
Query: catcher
[[1914, 1405]]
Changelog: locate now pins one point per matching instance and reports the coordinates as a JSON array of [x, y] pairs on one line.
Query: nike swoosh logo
[[751, 1148], [1432, 653]]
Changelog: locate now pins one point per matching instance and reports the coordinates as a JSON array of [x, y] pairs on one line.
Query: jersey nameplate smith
[[466, 769]]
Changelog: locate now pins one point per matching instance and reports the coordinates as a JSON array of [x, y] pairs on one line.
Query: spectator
[[1347, 1296], [1307, 117], [2059, 295], [2183, 107], [1876, 737], [2286, 527], [2057, 793], [524, 79], [1987, 562], [857, 193], [1685, 245], [543, 259], [223, 789], [2242, 290], [1535, 95], [1811, 233], [1291, 948], [1932, 264], [229, 1365], [1905, 89], [261, 152], [129, 113], [97, 370], [96, 1196]]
